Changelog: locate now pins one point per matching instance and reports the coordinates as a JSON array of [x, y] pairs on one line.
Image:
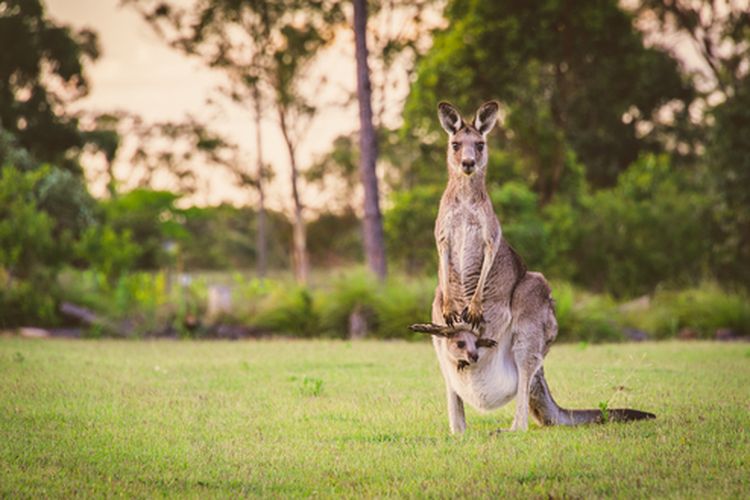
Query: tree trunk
[[372, 226], [260, 236], [111, 181], [299, 235]]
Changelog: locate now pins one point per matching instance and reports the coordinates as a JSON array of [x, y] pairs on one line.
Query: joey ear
[[486, 117], [449, 117], [488, 343], [432, 329]]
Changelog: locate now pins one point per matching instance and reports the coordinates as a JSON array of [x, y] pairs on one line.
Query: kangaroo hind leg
[[534, 328]]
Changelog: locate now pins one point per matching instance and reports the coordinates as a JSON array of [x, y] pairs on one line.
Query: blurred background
[[228, 168]]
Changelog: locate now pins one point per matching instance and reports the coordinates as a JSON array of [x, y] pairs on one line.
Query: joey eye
[[455, 146], [480, 146], [461, 344]]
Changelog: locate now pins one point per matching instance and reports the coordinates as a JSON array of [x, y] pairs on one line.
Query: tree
[[42, 69], [729, 159], [270, 48], [571, 79], [719, 32], [373, 222]]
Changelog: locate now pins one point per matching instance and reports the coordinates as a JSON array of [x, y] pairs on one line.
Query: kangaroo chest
[[463, 229]]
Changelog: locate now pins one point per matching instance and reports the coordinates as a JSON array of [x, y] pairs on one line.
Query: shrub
[[523, 227], [408, 226], [29, 255], [585, 317], [288, 310], [652, 228], [349, 292], [703, 309]]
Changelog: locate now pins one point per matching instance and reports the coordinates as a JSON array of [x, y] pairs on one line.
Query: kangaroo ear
[[449, 117], [432, 329], [486, 117]]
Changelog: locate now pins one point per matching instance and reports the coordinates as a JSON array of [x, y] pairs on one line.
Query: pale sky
[[140, 74]]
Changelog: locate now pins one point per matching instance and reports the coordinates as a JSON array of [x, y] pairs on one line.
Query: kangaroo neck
[[467, 187]]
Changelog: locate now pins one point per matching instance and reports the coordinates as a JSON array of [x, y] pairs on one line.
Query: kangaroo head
[[462, 343], [467, 152]]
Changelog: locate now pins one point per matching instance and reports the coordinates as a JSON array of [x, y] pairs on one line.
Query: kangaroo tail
[[548, 412]]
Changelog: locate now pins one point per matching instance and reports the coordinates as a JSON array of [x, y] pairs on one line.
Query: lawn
[[331, 418]]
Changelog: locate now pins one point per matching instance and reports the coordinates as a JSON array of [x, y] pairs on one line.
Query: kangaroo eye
[[461, 344], [455, 146], [480, 146]]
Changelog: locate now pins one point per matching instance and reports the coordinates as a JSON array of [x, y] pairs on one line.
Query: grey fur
[[492, 320]]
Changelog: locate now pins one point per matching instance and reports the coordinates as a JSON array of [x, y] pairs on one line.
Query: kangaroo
[[492, 320]]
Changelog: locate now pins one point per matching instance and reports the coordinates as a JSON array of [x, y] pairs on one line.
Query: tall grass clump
[[137, 304], [388, 308], [703, 310], [287, 310], [585, 317]]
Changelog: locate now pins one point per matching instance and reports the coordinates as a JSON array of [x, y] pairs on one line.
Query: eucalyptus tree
[[41, 71], [266, 49], [577, 84], [374, 241]]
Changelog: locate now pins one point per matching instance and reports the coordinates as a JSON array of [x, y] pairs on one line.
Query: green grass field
[[326, 418]]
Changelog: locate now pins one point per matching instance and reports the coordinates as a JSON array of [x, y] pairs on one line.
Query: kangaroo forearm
[[444, 269], [490, 252]]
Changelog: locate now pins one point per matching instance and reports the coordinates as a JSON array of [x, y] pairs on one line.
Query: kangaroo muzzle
[[468, 166]]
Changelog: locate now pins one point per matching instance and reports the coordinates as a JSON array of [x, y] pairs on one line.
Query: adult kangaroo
[[492, 320]]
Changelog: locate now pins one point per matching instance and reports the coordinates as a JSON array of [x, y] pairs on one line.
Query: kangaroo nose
[[468, 166], [473, 356]]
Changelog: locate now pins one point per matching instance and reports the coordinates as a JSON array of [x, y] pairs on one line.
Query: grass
[[332, 418]]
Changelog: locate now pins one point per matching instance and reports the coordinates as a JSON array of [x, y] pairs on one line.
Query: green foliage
[[29, 256], [652, 228], [40, 71], [138, 304], [311, 386], [522, 224], [729, 158], [287, 310], [108, 251], [585, 317], [151, 218], [703, 310], [567, 79], [224, 237], [408, 226], [347, 293], [335, 239], [65, 197]]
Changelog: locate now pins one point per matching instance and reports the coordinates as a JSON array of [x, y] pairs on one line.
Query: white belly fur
[[491, 383]]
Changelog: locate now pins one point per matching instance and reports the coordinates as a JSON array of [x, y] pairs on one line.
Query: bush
[[522, 225], [29, 255], [585, 317], [287, 310], [651, 229], [703, 309], [409, 227]]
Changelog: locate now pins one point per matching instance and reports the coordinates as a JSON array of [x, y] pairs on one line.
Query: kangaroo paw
[[451, 317], [472, 315]]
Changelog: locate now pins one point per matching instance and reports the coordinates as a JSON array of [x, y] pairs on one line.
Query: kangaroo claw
[[473, 318], [451, 318]]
